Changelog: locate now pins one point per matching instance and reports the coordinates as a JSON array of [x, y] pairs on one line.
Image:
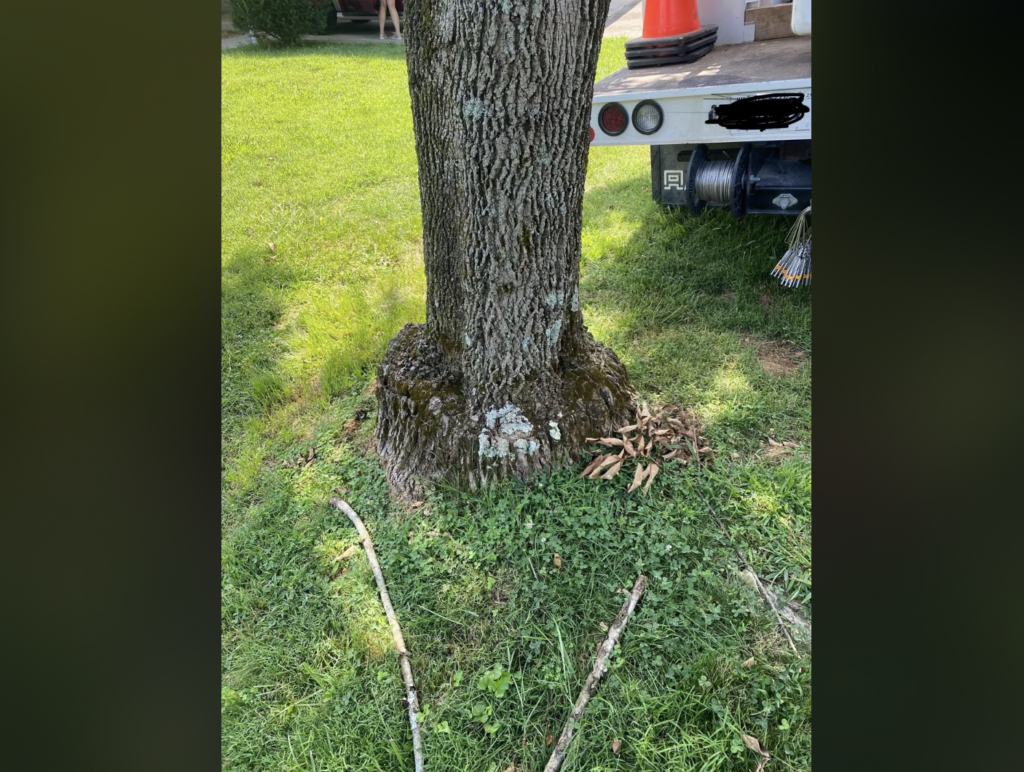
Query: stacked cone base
[[674, 49]]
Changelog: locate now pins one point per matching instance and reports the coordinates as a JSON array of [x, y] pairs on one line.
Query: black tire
[[332, 21]]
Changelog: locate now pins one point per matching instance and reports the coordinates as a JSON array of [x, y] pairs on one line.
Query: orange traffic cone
[[672, 34], [663, 18]]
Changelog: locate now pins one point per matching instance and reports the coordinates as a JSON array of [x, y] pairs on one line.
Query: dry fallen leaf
[[789, 444], [628, 446], [612, 471], [417, 504], [652, 472], [595, 468], [773, 443], [626, 429], [558, 560], [754, 744], [272, 245], [616, 746], [349, 552], [603, 626], [638, 477], [548, 739], [603, 461], [748, 663], [593, 465], [611, 442]]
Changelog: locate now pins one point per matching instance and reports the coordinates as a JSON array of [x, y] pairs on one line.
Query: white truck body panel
[[801, 21], [727, 15], [686, 92]]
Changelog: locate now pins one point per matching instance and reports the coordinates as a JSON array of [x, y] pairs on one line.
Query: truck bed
[[783, 63]]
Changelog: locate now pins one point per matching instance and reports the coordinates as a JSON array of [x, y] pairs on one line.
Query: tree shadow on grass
[[336, 334], [253, 288], [688, 303]]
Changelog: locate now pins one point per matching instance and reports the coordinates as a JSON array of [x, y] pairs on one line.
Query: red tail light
[[613, 119]]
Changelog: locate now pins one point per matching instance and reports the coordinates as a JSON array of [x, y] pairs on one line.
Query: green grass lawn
[[318, 160]]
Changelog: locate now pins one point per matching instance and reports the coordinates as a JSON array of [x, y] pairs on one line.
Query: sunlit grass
[[318, 160]]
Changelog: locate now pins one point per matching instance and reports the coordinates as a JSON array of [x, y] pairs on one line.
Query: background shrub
[[284, 20]]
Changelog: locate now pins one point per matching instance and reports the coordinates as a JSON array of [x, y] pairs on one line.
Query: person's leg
[[380, 16], [394, 18]]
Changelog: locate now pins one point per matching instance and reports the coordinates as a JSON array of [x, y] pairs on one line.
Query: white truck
[[731, 129]]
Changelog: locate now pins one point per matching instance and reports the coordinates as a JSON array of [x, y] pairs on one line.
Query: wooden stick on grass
[[396, 631], [768, 599], [558, 754], [753, 573]]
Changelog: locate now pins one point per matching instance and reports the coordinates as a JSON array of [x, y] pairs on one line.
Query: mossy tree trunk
[[504, 378]]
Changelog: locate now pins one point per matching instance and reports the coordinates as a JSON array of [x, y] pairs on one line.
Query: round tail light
[[613, 119], [647, 117]]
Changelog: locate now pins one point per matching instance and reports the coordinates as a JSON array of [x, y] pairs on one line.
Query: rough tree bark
[[504, 378]]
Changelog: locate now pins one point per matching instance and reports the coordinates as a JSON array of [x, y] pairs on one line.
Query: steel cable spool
[[718, 182], [714, 181]]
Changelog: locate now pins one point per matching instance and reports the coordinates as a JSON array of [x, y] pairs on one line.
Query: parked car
[[355, 12]]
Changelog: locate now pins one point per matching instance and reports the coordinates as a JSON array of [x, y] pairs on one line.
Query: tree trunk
[[503, 379]]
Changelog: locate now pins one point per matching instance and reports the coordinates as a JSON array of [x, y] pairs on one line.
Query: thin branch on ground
[[590, 686], [396, 631], [743, 559]]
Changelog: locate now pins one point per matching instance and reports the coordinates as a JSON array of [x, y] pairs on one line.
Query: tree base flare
[[429, 429]]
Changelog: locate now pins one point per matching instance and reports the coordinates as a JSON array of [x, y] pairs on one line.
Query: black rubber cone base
[[674, 49]]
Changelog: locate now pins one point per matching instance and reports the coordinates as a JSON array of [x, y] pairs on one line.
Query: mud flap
[[668, 175]]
